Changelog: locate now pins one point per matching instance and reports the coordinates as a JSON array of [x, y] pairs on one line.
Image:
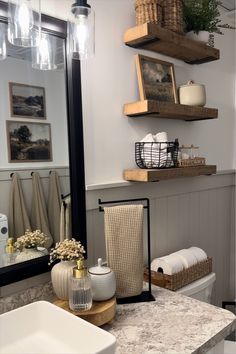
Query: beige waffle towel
[[18, 217], [54, 205], [124, 246], [39, 217]]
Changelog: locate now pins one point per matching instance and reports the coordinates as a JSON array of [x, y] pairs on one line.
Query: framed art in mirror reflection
[[29, 141], [27, 101]]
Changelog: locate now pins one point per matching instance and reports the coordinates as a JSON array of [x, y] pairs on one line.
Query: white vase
[[60, 274], [201, 36], [28, 253]]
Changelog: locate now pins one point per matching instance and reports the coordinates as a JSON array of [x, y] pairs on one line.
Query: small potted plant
[[201, 18], [68, 252], [29, 245]]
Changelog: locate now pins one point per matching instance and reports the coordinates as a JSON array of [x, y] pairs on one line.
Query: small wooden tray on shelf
[[101, 312], [185, 277], [196, 161]]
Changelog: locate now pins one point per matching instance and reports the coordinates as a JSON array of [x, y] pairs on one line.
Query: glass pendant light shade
[[3, 48], [24, 22], [49, 55], [81, 27]]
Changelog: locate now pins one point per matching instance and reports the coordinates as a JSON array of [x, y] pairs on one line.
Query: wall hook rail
[[145, 295]]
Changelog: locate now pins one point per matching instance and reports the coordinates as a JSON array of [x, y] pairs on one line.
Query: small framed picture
[[29, 141], [27, 101], [156, 79]]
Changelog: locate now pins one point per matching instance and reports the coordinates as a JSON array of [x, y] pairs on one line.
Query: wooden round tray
[[101, 312]]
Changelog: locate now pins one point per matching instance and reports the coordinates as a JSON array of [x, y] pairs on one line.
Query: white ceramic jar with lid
[[192, 94], [103, 282]]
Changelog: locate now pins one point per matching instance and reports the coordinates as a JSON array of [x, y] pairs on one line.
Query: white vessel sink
[[43, 328]]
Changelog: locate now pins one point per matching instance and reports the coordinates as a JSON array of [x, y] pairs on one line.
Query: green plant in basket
[[202, 15]]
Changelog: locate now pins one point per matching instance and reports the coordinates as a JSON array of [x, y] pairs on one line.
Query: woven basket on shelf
[[178, 280], [148, 11], [173, 15]]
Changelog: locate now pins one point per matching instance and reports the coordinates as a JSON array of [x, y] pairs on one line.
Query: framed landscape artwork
[[156, 79], [29, 141], [27, 101]]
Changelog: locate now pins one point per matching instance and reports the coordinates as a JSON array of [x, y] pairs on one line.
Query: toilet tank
[[200, 289]]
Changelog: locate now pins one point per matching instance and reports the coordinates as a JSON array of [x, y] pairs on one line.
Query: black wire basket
[[157, 155]]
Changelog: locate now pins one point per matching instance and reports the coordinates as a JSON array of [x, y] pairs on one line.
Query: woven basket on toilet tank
[[178, 280]]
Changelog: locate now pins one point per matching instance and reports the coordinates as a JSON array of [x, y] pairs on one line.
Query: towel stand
[[145, 296]]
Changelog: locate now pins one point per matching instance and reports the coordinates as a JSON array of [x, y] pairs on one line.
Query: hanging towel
[[65, 220], [18, 217], [124, 247], [54, 205], [39, 217]]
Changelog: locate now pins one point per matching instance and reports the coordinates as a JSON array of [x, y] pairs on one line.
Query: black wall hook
[[12, 174]]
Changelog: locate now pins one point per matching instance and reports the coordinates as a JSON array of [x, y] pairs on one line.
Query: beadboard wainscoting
[[184, 212]]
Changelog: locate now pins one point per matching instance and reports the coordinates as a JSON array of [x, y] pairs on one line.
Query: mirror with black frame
[[37, 113]]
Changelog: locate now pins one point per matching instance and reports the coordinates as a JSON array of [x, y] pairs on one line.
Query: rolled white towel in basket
[[198, 253], [167, 265], [187, 257], [154, 154]]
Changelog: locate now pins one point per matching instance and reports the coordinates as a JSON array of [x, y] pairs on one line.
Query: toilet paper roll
[[187, 257], [167, 265], [198, 253]]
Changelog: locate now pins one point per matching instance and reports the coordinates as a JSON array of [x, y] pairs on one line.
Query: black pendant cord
[[76, 151], [146, 295]]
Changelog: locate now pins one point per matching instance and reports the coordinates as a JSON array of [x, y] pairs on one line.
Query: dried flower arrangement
[[31, 239], [67, 250]]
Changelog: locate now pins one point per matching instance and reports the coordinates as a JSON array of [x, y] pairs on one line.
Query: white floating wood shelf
[[155, 175], [152, 37], [157, 109]]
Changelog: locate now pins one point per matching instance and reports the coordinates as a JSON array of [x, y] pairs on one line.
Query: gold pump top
[[80, 271], [10, 245]]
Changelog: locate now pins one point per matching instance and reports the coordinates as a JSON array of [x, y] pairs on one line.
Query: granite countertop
[[172, 324]]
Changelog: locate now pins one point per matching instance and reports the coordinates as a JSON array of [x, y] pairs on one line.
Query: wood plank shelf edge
[[157, 109], [156, 175], [152, 37]]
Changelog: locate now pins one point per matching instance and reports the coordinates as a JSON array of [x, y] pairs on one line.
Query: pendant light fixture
[[81, 30], [3, 48], [49, 54], [24, 22]]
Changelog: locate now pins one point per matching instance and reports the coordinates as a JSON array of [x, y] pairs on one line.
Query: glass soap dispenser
[[10, 252], [80, 291]]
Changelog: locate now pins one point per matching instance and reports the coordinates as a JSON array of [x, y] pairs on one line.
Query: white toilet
[[201, 290]]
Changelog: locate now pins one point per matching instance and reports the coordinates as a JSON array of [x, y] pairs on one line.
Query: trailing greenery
[[201, 15]]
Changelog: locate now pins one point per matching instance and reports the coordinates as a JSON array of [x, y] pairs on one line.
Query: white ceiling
[[229, 4]]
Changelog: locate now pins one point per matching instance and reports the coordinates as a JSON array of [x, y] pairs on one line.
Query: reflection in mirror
[[34, 173]]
